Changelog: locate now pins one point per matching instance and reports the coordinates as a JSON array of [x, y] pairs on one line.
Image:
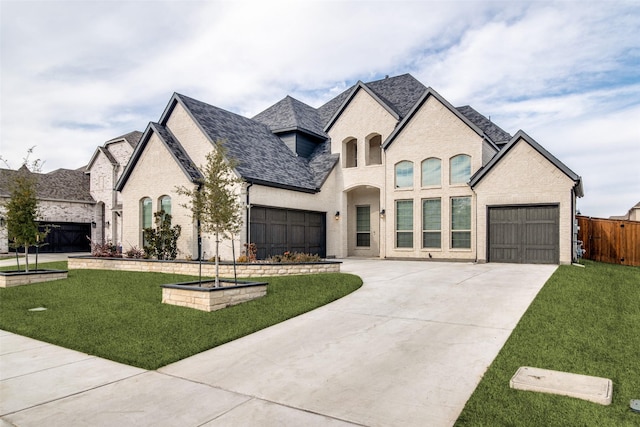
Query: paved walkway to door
[[407, 349]]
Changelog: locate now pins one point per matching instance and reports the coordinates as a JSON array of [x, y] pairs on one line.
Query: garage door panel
[[280, 230], [524, 234]]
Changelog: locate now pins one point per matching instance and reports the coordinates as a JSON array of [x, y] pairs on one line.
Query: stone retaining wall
[[9, 278], [208, 269], [211, 299]]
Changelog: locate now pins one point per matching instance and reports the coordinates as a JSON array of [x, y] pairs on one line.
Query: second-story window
[[404, 174]]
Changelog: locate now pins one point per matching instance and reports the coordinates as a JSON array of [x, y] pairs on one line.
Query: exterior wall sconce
[[337, 215], [107, 223], [3, 222], [93, 224], [382, 212]]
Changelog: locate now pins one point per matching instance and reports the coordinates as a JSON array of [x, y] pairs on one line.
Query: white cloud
[[75, 74]]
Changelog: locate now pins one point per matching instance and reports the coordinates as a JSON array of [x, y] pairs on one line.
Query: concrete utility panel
[[593, 389]]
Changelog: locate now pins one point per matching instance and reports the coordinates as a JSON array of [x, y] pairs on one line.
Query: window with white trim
[[146, 218]]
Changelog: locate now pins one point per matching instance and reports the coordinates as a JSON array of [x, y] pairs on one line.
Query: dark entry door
[[276, 231], [524, 234]]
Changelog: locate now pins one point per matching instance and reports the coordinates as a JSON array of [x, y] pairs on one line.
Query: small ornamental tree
[[214, 204], [22, 214], [162, 241]]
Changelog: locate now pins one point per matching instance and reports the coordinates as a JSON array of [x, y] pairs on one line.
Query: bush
[[134, 252], [105, 250], [293, 257]]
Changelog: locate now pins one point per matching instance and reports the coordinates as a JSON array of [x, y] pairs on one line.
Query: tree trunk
[[217, 262]]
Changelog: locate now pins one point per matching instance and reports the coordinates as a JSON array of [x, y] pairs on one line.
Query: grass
[[119, 315], [585, 321]]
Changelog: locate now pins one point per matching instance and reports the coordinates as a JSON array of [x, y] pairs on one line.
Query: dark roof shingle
[[60, 184]]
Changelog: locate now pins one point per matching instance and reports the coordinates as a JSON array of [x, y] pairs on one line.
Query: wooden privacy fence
[[610, 240]]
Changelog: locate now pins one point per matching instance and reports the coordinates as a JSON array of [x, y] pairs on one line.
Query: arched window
[[351, 153], [374, 150], [146, 217], [431, 172], [460, 169], [404, 174], [164, 204]]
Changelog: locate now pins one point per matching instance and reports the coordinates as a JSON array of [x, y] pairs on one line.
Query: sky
[[74, 74]]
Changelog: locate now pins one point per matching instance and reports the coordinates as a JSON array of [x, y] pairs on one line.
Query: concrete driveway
[[407, 349]]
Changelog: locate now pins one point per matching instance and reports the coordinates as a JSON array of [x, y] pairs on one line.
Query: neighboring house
[[386, 169], [632, 215], [65, 204], [105, 168]]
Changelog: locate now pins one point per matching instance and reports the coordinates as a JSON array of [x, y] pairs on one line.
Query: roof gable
[[345, 103], [522, 136], [173, 147], [423, 99], [261, 156]]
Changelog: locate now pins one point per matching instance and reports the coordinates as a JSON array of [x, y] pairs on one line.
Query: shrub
[[134, 252], [294, 257], [104, 250]]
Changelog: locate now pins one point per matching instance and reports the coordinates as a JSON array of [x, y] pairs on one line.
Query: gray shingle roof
[[132, 138], [261, 156], [493, 131], [61, 184], [177, 151], [291, 114]]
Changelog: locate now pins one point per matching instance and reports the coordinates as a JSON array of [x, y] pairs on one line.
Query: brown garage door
[[524, 234], [275, 231]]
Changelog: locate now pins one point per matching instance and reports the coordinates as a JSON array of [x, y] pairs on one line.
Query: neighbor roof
[[60, 184]]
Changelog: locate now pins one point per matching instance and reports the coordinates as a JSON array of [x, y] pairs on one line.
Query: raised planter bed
[[208, 268], [204, 296], [17, 278]]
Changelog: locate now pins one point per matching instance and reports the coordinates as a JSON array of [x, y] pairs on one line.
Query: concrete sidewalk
[[407, 349], [44, 257]]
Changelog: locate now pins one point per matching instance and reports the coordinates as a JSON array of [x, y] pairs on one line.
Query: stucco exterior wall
[[433, 132], [524, 176]]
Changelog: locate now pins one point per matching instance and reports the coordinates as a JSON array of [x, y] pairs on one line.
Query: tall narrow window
[[404, 174], [351, 153], [431, 172], [461, 222], [165, 205], [404, 223], [374, 156], [431, 223], [146, 217], [363, 226], [460, 169]]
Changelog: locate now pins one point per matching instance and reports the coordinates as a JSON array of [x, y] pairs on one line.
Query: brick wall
[[208, 269]]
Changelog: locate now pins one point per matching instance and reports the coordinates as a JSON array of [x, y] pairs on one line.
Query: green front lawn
[[119, 315], [585, 321]]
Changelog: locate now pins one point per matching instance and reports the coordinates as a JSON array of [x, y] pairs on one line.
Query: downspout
[[248, 202]]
